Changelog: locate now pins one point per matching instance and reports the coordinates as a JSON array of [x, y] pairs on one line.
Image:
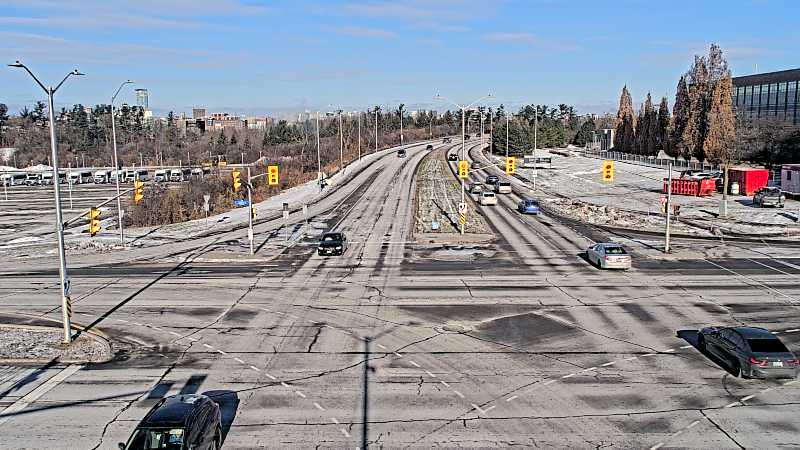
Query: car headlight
[[338, 247]]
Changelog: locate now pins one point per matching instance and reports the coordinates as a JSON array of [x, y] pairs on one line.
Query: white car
[[608, 255], [502, 187], [488, 198]]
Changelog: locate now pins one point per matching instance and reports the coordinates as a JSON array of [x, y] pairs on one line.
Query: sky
[[281, 57]]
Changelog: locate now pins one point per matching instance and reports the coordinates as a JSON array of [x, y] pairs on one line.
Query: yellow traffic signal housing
[[138, 187], [608, 171], [94, 221], [511, 165], [463, 169], [272, 175], [253, 211], [237, 181]]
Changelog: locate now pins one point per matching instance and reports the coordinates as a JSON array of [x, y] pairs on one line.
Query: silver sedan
[[608, 255]]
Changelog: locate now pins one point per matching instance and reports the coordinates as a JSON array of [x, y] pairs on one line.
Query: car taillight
[[794, 362], [753, 360]]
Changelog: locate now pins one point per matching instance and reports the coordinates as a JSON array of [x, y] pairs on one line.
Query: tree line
[[539, 125]]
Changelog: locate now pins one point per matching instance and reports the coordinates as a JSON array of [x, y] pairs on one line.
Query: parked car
[[492, 179], [528, 207], [769, 196], [502, 187], [332, 244], [608, 255], [691, 173], [429, 147], [751, 352], [488, 198], [452, 157], [179, 422], [401, 153]]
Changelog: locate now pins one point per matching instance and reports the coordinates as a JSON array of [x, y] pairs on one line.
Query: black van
[[401, 153], [179, 422]]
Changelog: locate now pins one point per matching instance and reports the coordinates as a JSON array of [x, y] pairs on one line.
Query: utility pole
[[116, 163], [250, 212], [66, 303], [319, 158], [376, 130], [669, 207], [341, 143], [507, 137], [401, 125], [359, 136]]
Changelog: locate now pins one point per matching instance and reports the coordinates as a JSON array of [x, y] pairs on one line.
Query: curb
[[97, 336]]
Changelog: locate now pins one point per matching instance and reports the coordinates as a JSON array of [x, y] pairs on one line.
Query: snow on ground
[[573, 187]]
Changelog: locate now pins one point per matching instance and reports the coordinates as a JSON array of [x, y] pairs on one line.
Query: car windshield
[[531, 203], [772, 191], [488, 194], [156, 438], [615, 251], [767, 346], [332, 237]]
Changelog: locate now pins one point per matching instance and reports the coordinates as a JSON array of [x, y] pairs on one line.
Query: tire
[[737, 370], [701, 343]]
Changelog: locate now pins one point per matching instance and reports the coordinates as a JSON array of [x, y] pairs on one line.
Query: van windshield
[[156, 438]]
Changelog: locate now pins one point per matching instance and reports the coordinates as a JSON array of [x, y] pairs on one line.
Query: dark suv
[[401, 153], [179, 422], [332, 244]]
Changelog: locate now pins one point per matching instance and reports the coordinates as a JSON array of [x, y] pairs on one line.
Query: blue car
[[528, 207]]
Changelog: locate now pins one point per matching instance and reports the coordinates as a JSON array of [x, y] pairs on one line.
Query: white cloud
[[374, 33], [525, 38]]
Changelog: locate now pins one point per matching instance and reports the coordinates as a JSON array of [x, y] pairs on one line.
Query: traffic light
[[237, 182], [608, 171], [463, 169], [94, 221], [272, 175], [511, 165], [138, 195], [253, 212]]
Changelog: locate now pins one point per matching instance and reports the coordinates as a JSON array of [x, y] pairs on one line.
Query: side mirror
[[121, 446]]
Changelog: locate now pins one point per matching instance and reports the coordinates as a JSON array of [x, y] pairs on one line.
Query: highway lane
[[519, 342]]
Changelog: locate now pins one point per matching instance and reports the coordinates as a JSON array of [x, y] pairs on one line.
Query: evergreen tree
[[233, 139], [222, 141], [585, 133], [3, 120], [624, 140], [680, 118], [720, 139], [652, 127], [640, 133], [699, 99], [520, 138], [662, 129], [39, 114]]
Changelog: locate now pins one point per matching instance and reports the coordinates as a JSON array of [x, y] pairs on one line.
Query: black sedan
[[179, 422], [750, 352], [332, 244]]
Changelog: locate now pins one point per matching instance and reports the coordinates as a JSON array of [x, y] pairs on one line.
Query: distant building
[[142, 99], [790, 178], [198, 113], [221, 121], [605, 139], [769, 96]]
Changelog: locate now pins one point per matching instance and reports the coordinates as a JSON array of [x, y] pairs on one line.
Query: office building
[[142, 99], [198, 113], [773, 96]]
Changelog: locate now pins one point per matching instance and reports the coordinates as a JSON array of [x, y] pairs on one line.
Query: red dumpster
[[707, 187], [750, 180], [682, 186]]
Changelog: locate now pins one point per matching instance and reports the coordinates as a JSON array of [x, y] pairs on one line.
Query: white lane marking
[[648, 354], [657, 446], [569, 376], [608, 364], [790, 382], [744, 399], [335, 420], [318, 406], [589, 369], [693, 424], [381, 346], [444, 383], [221, 352], [175, 334], [270, 376], [478, 408], [344, 432], [513, 397], [430, 374], [192, 339], [669, 350], [771, 268], [283, 383], [255, 368], [731, 405], [122, 320], [458, 393], [398, 354], [631, 358], [413, 363], [40, 390], [208, 346], [753, 280], [490, 408], [300, 394], [239, 360], [793, 330], [550, 382], [686, 346]]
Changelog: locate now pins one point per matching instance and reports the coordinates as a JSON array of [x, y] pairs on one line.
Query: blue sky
[[283, 56]]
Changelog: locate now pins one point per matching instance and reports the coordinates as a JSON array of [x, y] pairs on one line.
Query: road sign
[[241, 202], [67, 286], [206, 198], [286, 215], [462, 208], [608, 171], [462, 219], [305, 210]]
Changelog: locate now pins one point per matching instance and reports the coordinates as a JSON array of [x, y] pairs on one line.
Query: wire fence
[[651, 161]]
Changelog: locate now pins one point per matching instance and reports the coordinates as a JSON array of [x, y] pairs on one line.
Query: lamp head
[[77, 72], [16, 64]]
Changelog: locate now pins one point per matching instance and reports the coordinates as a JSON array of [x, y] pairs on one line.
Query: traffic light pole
[[250, 216], [669, 207]]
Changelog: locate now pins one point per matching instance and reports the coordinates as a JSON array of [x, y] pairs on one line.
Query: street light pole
[[401, 125], [116, 163], [359, 136], [66, 303], [507, 137], [376, 130], [319, 158], [463, 141]]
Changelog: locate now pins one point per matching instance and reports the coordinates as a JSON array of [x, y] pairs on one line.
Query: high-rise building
[[773, 96], [198, 113], [142, 99]]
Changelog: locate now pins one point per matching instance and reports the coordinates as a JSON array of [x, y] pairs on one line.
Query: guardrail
[[650, 161]]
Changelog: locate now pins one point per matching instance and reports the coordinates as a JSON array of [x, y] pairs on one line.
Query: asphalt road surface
[[404, 344]]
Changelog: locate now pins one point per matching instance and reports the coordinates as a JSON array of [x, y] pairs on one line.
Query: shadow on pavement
[[228, 402], [692, 337], [30, 378]]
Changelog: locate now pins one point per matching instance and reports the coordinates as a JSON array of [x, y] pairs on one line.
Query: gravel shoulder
[[36, 344]]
